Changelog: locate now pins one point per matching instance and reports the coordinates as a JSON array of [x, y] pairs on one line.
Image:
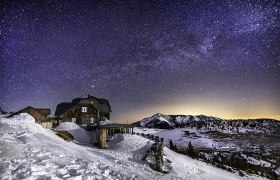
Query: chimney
[[98, 119]]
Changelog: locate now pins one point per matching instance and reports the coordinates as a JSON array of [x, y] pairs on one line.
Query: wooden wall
[[81, 117]]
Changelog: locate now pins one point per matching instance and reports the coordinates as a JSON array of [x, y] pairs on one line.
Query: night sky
[[219, 58]]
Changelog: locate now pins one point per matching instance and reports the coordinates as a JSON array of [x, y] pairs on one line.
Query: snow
[[210, 123], [181, 119], [175, 135], [254, 161], [278, 171], [4, 115], [155, 118], [129, 147], [79, 134], [28, 151], [106, 121], [103, 121]]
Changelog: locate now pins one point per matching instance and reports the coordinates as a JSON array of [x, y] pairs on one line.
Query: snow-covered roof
[[40, 114], [102, 105]]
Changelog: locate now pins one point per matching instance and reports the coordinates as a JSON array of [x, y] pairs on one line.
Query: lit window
[[84, 109]]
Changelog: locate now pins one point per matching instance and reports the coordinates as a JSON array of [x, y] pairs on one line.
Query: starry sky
[[219, 58]]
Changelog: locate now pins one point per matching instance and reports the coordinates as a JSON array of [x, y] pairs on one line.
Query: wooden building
[[83, 110], [39, 114]]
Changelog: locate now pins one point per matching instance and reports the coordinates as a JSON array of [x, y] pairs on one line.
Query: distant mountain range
[[162, 121]]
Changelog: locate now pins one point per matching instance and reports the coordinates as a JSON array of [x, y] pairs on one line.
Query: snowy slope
[[176, 135], [27, 151]]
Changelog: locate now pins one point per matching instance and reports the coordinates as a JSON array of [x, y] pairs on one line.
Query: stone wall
[[157, 149]]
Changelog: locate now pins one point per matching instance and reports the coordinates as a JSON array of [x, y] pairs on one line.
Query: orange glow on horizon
[[216, 108]]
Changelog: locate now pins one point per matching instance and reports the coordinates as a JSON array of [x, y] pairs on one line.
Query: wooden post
[[98, 117], [159, 155], [102, 139]]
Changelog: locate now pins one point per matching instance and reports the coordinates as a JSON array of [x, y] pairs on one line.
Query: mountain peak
[[162, 121]]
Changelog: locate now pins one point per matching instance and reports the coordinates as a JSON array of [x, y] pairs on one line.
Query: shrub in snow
[[173, 146], [65, 135]]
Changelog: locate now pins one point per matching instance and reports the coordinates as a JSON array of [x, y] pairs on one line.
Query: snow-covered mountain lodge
[[83, 110]]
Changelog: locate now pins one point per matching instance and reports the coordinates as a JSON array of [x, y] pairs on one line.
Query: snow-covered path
[[27, 151]]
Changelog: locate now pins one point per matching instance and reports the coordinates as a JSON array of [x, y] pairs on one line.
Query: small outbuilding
[[41, 115]]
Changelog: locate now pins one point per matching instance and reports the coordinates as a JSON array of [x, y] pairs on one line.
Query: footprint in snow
[[43, 154]]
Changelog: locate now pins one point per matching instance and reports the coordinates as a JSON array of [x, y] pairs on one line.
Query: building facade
[[83, 110]]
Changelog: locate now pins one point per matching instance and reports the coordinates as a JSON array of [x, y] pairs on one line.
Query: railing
[[150, 137]]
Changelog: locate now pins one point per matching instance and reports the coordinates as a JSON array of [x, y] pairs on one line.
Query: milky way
[[219, 58]]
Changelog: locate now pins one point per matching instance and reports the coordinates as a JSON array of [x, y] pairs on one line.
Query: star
[[155, 54]]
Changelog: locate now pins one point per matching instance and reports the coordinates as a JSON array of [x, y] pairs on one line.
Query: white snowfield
[[28, 151], [176, 134]]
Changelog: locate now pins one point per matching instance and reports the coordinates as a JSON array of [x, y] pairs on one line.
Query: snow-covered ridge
[[162, 121]]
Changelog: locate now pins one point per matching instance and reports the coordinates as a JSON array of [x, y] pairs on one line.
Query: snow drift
[[80, 135]]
